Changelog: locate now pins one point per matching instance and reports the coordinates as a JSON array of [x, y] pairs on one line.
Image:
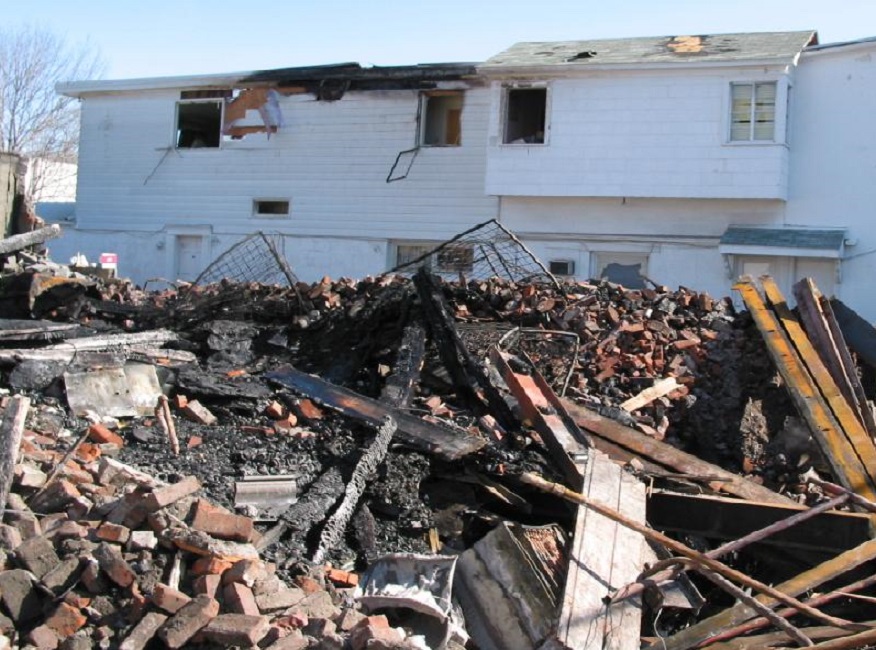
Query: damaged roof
[[806, 241], [680, 49], [358, 76]]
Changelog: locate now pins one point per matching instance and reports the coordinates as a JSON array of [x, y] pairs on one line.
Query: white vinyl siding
[[753, 112]]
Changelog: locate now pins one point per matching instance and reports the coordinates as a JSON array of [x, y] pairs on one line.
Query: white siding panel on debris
[[640, 134]]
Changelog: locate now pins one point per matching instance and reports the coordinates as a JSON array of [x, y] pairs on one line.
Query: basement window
[[441, 119], [271, 207], [455, 259], [627, 269], [525, 113], [752, 112], [407, 253], [198, 124]]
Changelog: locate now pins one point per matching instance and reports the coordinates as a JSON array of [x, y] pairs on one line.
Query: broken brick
[[210, 566], [169, 599], [283, 599], [56, 496], [237, 629], [37, 555], [142, 540], [275, 410], [164, 496], [65, 620], [197, 412], [341, 578], [239, 599], [19, 596], [143, 632], [102, 435], [112, 563], [43, 637], [109, 532], [309, 410], [222, 524], [10, 538], [193, 616], [207, 585], [63, 575], [248, 572]]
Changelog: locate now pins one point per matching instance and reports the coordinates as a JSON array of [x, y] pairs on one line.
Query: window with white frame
[[627, 269], [453, 258], [441, 121], [407, 253], [525, 115], [753, 111], [198, 124]]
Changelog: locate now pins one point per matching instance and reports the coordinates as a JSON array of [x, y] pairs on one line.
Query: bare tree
[[36, 122]]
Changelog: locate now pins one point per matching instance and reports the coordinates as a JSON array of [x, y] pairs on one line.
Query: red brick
[[361, 637], [88, 452], [180, 401], [275, 410], [341, 578], [239, 599], [237, 629], [65, 620], [248, 572], [169, 599], [143, 632], [101, 435], [194, 441], [177, 631], [43, 638], [164, 496], [56, 496], [197, 412], [207, 585], [308, 585], [210, 566], [309, 410], [114, 565], [220, 523], [113, 533]]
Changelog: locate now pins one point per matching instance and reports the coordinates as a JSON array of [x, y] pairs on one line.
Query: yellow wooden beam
[[838, 451]]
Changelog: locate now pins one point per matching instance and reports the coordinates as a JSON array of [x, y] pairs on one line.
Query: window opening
[[271, 207], [442, 119], [753, 111], [525, 113], [626, 269], [198, 124]]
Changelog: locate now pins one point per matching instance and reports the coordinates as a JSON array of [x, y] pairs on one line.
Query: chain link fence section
[[255, 258], [489, 250]]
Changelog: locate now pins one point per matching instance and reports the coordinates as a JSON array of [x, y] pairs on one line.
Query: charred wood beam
[[19, 242], [367, 465], [700, 560], [399, 386], [464, 369], [668, 456], [11, 431], [445, 441]]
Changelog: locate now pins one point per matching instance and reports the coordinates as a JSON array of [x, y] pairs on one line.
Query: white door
[[189, 256]]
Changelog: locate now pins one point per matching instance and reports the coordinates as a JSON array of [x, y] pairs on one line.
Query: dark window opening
[[442, 120], [562, 267], [272, 208], [198, 124], [627, 275], [525, 115]]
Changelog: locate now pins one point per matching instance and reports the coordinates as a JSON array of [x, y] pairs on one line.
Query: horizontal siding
[[640, 135], [331, 161]]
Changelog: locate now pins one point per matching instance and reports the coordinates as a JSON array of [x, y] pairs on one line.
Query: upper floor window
[[442, 119], [198, 124], [525, 115], [753, 112]]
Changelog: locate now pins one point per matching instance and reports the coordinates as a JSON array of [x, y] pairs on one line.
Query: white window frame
[[780, 112], [425, 96], [175, 136], [503, 117], [428, 247]]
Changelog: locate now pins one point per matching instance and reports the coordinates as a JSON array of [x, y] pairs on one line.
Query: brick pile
[[97, 554]]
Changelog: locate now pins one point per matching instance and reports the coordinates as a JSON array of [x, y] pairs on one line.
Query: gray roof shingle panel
[[784, 238], [656, 49]]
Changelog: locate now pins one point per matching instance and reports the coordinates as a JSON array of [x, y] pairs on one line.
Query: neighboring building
[[686, 160]]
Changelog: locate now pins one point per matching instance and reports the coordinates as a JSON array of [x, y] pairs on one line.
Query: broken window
[[198, 124], [456, 258], [627, 269], [752, 112], [441, 119], [525, 113], [562, 267], [271, 207], [408, 253]]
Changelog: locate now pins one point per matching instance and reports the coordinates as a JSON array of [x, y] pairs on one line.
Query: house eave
[[573, 69]]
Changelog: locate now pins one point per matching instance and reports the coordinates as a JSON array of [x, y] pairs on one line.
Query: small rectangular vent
[[562, 267]]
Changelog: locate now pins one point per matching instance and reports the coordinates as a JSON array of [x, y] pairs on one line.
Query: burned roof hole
[[580, 56]]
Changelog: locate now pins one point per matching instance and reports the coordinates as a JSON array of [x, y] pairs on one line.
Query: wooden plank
[[442, 440], [659, 389], [722, 518], [848, 421], [841, 368], [11, 431], [699, 632], [605, 556], [668, 456], [838, 452]]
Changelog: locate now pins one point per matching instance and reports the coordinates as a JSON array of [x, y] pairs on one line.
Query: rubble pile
[[363, 464]]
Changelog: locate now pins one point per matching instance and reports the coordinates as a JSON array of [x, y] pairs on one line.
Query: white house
[[688, 160]]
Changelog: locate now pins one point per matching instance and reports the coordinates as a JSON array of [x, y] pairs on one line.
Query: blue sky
[[160, 37]]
